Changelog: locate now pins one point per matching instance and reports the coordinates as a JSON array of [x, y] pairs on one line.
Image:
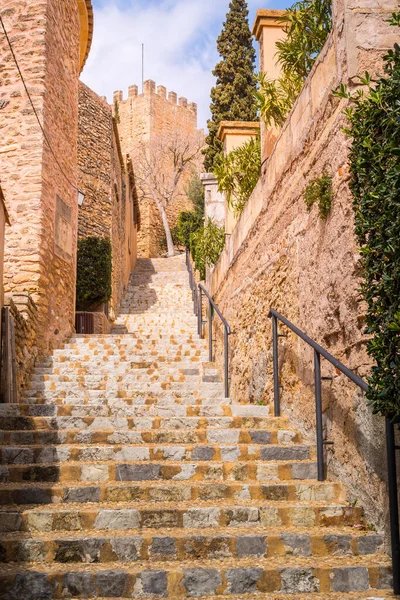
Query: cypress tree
[[232, 97]]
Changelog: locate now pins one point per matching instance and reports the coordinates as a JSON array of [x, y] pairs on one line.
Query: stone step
[[75, 491], [34, 454], [163, 399], [221, 424], [234, 577], [125, 409], [376, 595], [109, 517], [132, 546], [153, 436], [145, 470]]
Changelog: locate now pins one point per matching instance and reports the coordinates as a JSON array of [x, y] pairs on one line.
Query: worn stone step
[[131, 546], [163, 399], [32, 454], [41, 493], [143, 423], [153, 436], [122, 409], [299, 575], [168, 515], [246, 472], [376, 595]]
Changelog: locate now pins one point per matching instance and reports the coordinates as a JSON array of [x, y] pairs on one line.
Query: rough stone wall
[[25, 313], [144, 120], [281, 256], [103, 177], [40, 253]]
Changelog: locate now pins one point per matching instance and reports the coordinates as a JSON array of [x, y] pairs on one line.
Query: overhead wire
[[33, 106]]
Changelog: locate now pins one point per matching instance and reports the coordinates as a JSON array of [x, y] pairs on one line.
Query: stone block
[[201, 582], [111, 584], [350, 579], [296, 580], [163, 547], [117, 519], [201, 517], [82, 494], [203, 453], [79, 551], [30, 586], [243, 581], [370, 544], [260, 437], [153, 584], [251, 545], [148, 472], [298, 545], [78, 585], [127, 548], [285, 453]]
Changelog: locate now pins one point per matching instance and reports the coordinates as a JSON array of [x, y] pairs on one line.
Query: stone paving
[[125, 473]]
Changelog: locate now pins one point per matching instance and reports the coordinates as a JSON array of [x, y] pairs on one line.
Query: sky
[[180, 45]]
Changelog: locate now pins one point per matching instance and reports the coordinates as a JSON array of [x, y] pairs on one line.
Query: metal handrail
[[391, 446], [192, 282], [227, 332]]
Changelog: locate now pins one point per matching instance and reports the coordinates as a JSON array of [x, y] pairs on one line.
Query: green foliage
[[206, 245], [195, 193], [307, 24], [232, 98], [94, 269], [320, 191], [188, 223], [238, 174], [374, 117]]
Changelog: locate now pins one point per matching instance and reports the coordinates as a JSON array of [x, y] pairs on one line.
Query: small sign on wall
[[63, 230]]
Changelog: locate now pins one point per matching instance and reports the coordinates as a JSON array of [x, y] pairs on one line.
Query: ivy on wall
[[94, 271], [374, 118], [319, 191]]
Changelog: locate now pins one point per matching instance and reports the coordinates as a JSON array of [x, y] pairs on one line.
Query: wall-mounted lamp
[[81, 197]]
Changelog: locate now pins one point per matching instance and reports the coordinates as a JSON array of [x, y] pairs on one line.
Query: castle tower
[[144, 120]]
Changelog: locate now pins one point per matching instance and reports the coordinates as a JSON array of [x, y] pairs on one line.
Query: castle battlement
[[150, 89]]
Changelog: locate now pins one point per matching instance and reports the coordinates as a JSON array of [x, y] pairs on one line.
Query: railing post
[[393, 504], [200, 314], [275, 359], [210, 333], [226, 360], [318, 407]]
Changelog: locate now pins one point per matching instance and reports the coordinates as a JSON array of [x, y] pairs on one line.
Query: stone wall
[[38, 183], [25, 314], [143, 121], [107, 210], [281, 256]]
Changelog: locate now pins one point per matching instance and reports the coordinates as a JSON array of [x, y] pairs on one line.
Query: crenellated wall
[[144, 120], [279, 255]]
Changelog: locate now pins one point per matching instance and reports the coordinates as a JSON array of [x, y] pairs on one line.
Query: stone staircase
[[126, 474]]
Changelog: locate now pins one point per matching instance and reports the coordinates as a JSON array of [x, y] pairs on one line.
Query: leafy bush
[[206, 245], [94, 270], [195, 193], [374, 117], [188, 222], [238, 174], [320, 191], [307, 24]]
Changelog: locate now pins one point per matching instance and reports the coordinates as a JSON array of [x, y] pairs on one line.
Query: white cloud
[[180, 46]]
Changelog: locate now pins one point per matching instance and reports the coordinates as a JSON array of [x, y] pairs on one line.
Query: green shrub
[[238, 174], [206, 245], [94, 270], [307, 24], [374, 117], [320, 191], [188, 222]]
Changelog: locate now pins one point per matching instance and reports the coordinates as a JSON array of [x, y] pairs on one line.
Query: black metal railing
[[391, 446], [212, 307], [192, 283]]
